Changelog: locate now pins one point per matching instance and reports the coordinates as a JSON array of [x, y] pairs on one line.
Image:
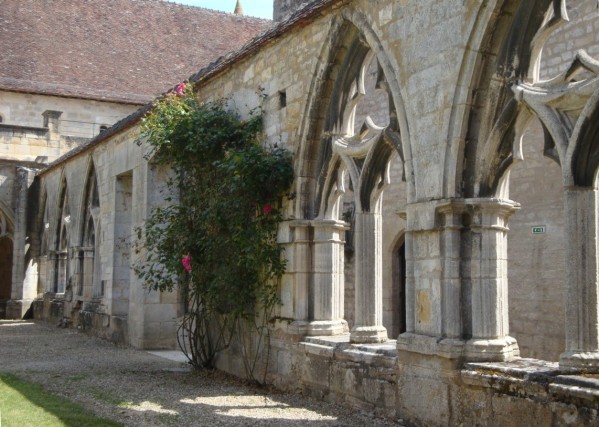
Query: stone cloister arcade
[[456, 286], [406, 155]]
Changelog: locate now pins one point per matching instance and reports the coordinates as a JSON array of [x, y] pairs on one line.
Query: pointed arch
[[506, 55], [583, 155], [62, 238], [88, 254], [352, 40]]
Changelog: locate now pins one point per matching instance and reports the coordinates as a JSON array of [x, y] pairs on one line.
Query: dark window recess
[[103, 128], [282, 99]]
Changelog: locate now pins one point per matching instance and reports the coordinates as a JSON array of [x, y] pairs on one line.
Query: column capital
[[330, 223], [490, 213], [491, 205]]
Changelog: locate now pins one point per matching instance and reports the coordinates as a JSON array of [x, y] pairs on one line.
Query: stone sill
[[339, 347], [534, 379]]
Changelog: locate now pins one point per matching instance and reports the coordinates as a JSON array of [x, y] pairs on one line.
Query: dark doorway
[[5, 273], [401, 254]]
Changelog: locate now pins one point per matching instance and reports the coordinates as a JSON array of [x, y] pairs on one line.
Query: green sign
[[538, 229]]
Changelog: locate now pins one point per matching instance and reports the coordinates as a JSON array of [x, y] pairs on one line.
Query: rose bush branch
[[218, 235]]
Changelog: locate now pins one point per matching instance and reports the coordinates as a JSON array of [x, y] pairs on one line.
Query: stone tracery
[[361, 147], [566, 107]]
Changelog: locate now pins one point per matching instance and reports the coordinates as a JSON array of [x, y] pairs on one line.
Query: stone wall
[[455, 363], [125, 310], [34, 131], [80, 118]]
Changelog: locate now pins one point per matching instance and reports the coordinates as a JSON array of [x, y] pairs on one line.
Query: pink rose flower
[[266, 209], [180, 88], [186, 261]]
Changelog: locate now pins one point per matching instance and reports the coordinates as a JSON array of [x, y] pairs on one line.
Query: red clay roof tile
[[117, 50]]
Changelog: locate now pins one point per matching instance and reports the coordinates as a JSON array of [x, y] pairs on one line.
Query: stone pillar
[[450, 216], [368, 326], [582, 286], [43, 274], [24, 286], [328, 284], [51, 272], [88, 273], [295, 288], [489, 281], [62, 259], [434, 282], [85, 274]]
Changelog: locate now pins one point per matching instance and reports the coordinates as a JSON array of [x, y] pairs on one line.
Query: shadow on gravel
[[137, 388]]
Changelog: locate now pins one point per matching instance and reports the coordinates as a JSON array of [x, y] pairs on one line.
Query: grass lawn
[[25, 404]]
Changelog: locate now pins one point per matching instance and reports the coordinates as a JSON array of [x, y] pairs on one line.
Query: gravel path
[[141, 389]]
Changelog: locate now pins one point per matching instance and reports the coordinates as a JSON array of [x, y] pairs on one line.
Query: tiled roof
[[118, 50], [302, 17]]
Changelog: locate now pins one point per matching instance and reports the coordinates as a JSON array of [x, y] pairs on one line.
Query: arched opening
[[360, 158], [61, 242], [530, 74], [88, 285], [536, 251]]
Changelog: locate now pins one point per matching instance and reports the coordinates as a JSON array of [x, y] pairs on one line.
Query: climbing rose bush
[[226, 191]]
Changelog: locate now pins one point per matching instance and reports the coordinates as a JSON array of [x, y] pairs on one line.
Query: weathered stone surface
[[400, 222]]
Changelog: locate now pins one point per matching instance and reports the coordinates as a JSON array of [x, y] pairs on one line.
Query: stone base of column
[[496, 350], [580, 361], [16, 309], [326, 328], [368, 334]]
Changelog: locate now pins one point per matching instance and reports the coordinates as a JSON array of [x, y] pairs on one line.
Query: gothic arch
[[88, 251], [62, 239], [508, 94], [507, 55], [353, 127], [353, 39], [583, 155]]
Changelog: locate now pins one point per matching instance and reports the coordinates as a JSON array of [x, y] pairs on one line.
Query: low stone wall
[[87, 317], [48, 309], [528, 392], [426, 390], [96, 323]]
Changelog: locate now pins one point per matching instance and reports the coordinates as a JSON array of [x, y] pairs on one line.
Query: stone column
[[582, 286], [51, 272], [328, 285], [450, 216], [86, 279], [368, 326], [489, 281], [434, 282], [295, 287]]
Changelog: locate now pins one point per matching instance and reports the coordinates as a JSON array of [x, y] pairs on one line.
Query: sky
[[258, 8]]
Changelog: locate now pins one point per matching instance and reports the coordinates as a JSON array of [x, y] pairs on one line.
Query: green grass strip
[[26, 404]]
